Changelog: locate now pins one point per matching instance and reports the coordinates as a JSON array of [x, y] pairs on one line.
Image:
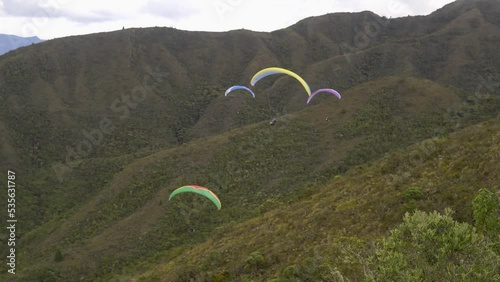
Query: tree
[[434, 247], [486, 211]]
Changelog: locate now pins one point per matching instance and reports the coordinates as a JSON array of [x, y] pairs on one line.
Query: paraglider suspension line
[[270, 109]]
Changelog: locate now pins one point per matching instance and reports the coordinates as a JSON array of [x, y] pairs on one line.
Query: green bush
[[58, 256], [289, 272], [221, 276], [413, 193], [434, 247], [486, 210], [255, 261]]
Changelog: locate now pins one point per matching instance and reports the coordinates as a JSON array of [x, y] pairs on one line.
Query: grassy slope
[[365, 203], [67, 85], [125, 218]]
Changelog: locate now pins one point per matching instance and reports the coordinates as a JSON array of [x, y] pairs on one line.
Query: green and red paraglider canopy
[[199, 190]]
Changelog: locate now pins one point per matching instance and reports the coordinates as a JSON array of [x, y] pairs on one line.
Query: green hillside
[[158, 87], [101, 128], [123, 200], [347, 214]]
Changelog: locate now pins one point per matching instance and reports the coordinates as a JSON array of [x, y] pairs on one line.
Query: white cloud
[[18, 8], [56, 18], [171, 9]]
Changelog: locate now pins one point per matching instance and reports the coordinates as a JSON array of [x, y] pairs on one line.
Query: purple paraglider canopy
[[331, 91]]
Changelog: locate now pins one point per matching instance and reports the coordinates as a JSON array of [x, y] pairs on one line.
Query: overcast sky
[[49, 19]]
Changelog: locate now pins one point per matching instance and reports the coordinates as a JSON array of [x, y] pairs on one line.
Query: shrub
[[255, 261], [486, 211], [413, 193], [221, 276], [434, 247], [58, 256], [289, 272]]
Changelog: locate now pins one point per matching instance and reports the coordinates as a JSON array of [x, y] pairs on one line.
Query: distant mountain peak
[[9, 42]]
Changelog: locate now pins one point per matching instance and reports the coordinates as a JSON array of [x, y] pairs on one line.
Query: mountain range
[[100, 128], [10, 42]]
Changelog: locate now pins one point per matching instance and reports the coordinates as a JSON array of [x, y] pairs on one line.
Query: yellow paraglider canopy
[[275, 70]]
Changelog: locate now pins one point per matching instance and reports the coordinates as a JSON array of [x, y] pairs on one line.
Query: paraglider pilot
[[272, 122]]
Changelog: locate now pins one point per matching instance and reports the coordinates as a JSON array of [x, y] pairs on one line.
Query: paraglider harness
[[272, 122]]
